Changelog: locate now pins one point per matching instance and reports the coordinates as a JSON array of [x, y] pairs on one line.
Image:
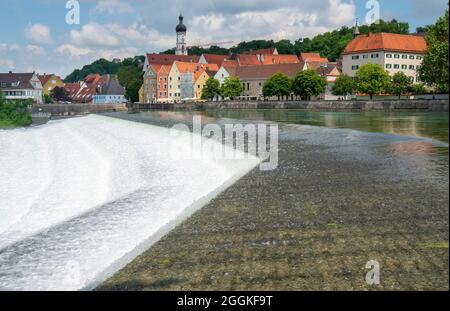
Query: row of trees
[[305, 84], [372, 79]]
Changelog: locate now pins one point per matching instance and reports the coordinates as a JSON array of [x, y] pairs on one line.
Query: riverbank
[[338, 199], [379, 105]]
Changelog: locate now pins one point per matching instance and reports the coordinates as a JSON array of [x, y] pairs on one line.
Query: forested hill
[[330, 44]]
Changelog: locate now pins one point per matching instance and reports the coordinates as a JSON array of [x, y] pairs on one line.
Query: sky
[[34, 34]]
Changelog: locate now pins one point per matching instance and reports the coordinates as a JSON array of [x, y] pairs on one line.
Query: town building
[[394, 52], [109, 91], [227, 70], [254, 77], [265, 59], [330, 72], [183, 79], [155, 86], [49, 82], [21, 86]]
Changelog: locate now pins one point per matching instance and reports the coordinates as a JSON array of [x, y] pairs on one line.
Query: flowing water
[[81, 197]]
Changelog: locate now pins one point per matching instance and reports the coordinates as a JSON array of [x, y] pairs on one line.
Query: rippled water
[[81, 197]]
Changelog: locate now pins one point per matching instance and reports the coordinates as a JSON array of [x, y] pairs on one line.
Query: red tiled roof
[[267, 71], [280, 59], [168, 59], [215, 59], [184, 67], [269, 51], [44, 78], [313, 57], [386, 42], [247, 60]]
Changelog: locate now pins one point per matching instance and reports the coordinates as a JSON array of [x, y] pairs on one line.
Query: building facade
[[254, 77], [21, 86], [109, 91], [394, 52], [49, 82]]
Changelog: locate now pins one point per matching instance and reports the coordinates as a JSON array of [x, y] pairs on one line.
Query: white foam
[[79, 198]]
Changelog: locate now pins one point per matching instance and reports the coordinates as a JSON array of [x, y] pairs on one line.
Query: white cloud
[[38, 34], [94, 34], [112, 7], [73, 51], [36, 50], [7, 64]]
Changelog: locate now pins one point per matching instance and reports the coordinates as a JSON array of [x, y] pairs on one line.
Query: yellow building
[[49, 82], [200, 81]]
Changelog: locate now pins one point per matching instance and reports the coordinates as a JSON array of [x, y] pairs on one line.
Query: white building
[[394, 52], [21, 86]]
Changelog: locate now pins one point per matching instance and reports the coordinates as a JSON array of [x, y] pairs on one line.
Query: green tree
[[211, 89], [48, 99], [400, 84], [308, 83], [344, 86], [434, 69], [2, 97], [231, 87], [372, 79], [60, 94], [132, 90], [131, 77], [418, 88], [277, 85]]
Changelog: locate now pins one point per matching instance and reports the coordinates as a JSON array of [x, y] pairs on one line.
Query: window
[[419, 57], [396, 55], [248, 86], [404, 56], [388, 66], [365, 56], [411, 57], [355, 57], [396, 66], [388, 55], [417, 79], [404, 67], [417, 67], [375, 55], [355, 67], [411, 67]]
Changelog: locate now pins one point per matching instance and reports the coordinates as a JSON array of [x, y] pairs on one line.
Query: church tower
[[181, 38], [356, 31]]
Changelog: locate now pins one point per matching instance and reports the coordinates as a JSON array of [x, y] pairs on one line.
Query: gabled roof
[[110, 86], [215, 59], [387, 42], [329, 69], [45, 78], [247, 60], [269, 51], [313, 58], [184, 67], [21, 79], [280, 59], [267, 71], [168, 59]]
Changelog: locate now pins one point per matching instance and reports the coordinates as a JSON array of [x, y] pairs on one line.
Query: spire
[[356, 32], [181, 27]]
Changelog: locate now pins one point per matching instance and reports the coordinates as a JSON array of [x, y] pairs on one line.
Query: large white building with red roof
[[394, 52]]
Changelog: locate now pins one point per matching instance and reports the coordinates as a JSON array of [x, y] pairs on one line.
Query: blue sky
[[35, 36]]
